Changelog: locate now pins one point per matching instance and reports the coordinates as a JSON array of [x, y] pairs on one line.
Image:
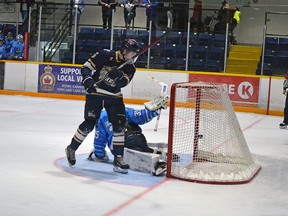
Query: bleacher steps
[[243, 59]]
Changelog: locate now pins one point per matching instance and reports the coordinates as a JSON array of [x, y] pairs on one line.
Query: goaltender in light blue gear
[[104, 132]]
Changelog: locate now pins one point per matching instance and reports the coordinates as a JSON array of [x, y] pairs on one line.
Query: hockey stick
[[164, 92], [167, 31]]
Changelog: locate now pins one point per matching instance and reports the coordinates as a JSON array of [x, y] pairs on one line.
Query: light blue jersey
[[104, 131]]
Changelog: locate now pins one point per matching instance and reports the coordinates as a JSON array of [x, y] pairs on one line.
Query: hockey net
[[205, 133]]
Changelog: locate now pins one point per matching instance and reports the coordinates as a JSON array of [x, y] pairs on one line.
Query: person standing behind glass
[[25, 6], [107, 8], [129, 11], [196, 19], [80, 10], [151, 12]]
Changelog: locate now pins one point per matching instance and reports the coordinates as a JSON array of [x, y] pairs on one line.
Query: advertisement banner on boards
[[60, 80], [240, 89]]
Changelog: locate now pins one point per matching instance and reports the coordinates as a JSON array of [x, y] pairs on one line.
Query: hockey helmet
[[19, 36], [130, 45]]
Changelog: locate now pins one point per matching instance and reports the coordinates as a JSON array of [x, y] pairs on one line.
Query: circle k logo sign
[[245, 90]]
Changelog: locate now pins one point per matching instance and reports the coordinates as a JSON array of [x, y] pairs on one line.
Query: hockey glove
[[88, 84], [116, 73], [285, 91], [159, 102]]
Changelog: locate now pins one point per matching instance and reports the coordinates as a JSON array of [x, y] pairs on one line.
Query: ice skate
[[160, 168], [93, 157], [119, 165], [283, 125], [70, 154]]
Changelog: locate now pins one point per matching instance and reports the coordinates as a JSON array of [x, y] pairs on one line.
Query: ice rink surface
[[37, 181]]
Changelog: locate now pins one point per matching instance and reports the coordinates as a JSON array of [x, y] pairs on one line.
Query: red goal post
[[205, 133]]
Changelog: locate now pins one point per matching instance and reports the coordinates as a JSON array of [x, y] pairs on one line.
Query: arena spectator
[[151, 12], [9, 40], [107, 9], [196, 19], [2, 49], [17, 50], [129, 11]]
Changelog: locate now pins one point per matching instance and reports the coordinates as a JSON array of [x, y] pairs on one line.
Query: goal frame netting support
[[210, 153]]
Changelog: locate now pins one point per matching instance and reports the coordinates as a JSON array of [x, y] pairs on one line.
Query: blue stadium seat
[[80, 45], [196, 64], [142, 36], [82, 57], [267, 69], [86, 33], [129, 33], [282, 56], [205, 39], [170, 50], [213, 65], [271, 43], [67, 58], [283, 44], [216, 53], [157, 50], [198, 52], [179, 63], [181, 51], [219, 40], [105, 44], [270, 56], [142, 61], [174, 38], [117, 33], [91, 46], [102, 34], [117, 45]]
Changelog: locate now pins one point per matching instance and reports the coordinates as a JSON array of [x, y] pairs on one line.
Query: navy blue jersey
[[101, 63]]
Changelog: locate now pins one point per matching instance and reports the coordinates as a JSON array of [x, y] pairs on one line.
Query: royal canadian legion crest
[[47, 79]]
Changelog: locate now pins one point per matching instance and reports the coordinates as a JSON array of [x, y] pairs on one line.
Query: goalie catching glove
[[159, 102]]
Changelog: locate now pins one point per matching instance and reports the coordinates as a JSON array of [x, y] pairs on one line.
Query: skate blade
[[119, 170], [159, 171], [70, 164], [283, 127], [98, 160]]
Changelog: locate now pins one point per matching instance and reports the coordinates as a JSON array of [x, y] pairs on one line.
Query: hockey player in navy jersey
[[103, 81]]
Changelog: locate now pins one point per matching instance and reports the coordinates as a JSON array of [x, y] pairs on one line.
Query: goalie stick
[[167, 31], [164, 92]]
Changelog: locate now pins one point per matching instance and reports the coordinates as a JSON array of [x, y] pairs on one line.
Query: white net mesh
[[206, 134]]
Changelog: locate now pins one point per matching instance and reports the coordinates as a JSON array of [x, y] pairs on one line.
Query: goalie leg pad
[[141, 161]]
